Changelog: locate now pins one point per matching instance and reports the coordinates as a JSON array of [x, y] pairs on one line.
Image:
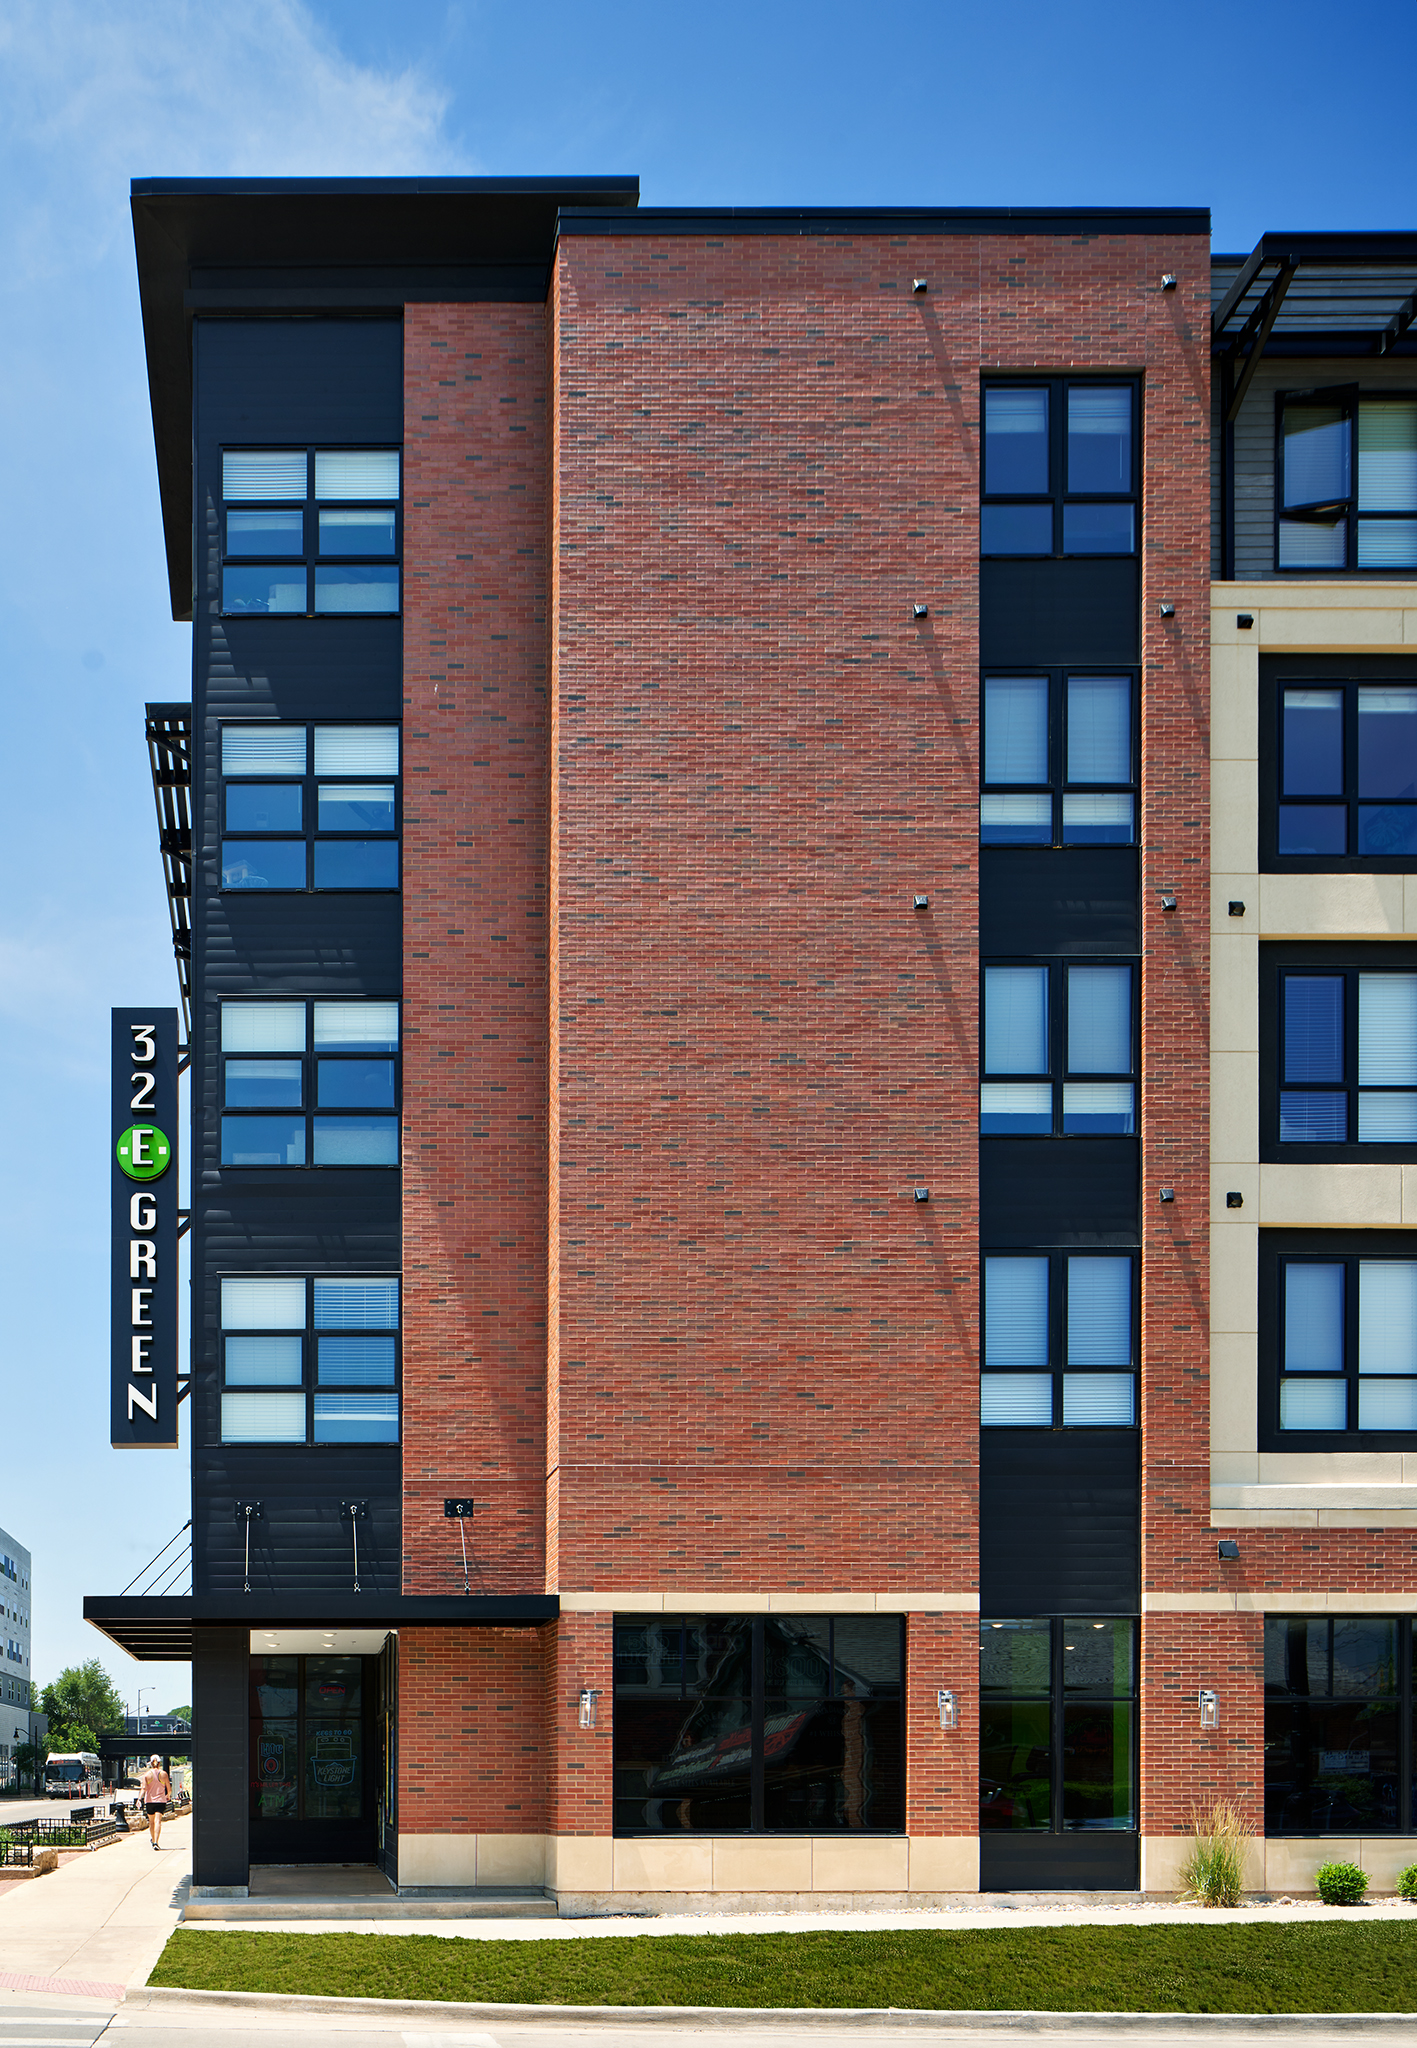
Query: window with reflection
[[762, 1724], [309, 1083], [1347, 485], [335, 786], [1058, 761], [306, 1738], [310, 531], [309, 1361], [1059, 1050], [1346, 1045], [1060, 467], [1057, 1738], [1347, 755], [1338, 1725], [1059, 1341]]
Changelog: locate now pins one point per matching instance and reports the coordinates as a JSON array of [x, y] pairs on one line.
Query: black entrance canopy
[[158, 1630]]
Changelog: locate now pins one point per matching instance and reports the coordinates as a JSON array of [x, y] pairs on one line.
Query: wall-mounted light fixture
[[586, 1707], [922, 903], [949, 1708], [922, 611], [1234, 1199], [922, 1194], [1169, 281], [1168, 1194], [1168, 903], [1236, 907], [1168, 611], [1244, 620], [920, 284], [1228, 1550], [1209, 1704]]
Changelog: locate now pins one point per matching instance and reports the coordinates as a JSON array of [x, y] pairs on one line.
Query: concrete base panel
[[885, 1868], [467, 1861]]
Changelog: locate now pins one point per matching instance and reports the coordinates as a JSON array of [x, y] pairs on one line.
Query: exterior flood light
[[920, 284], [922, 611], [1169, 281], [1168, 903], [1244, 620], [1209, 1703], [1236, 907], [922, 903], [949, 1709], [1168, 611], [1168, 1194], [1234, 1199], [922, 1194], [586, 1707], [1228, 1550]]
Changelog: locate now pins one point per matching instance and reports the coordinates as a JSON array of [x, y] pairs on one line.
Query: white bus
[[73, 1774]]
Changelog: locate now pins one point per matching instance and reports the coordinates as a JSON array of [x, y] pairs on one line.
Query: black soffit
[[159, 1630], [307, 245]]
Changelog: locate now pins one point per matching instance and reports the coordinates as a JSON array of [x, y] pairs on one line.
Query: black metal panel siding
[[1052, 613], [1059, 1522], [1075, 901], [220, 1735], [1064, 1863], [274, 381], [1058, 1191], [301, 1544]]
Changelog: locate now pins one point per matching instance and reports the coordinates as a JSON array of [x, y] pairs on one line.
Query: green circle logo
[[143, 1152]]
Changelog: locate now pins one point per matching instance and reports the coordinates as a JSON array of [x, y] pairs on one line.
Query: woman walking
[[157, 1791]]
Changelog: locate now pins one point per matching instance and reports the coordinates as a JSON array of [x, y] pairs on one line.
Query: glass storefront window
[[307, 1738], [1057, 1744]]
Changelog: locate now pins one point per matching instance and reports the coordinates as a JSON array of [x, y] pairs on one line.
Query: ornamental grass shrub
[[1213, 1873], [1341, 1884]]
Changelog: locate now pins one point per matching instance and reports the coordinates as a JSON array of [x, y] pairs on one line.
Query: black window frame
[[1058, 494], [1058, 1366], [1290, 1705], [1277, 1249], [310, 834], [1058, 1697], [1059, 1073], [1349, 673], [757, 1624], [1278, 958], [309, 1385], [1346, 398], [309, 1109], [1057, 787], [310, 559]]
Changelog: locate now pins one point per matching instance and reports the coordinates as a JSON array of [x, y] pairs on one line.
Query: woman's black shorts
[[156, 1806]]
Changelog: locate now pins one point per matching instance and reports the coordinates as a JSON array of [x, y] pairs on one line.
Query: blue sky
[[1264, 114]]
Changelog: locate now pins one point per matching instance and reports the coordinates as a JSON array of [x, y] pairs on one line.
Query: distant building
[[15, 1718]]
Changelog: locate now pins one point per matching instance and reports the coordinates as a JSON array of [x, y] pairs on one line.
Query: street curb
[[778, 2016]]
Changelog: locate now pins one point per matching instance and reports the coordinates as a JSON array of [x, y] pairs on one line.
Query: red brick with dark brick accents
[[472, 1748]]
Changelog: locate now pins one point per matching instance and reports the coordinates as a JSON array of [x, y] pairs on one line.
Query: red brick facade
[[678, 1047]]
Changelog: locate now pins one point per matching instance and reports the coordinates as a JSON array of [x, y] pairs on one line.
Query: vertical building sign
[[143, 1165]]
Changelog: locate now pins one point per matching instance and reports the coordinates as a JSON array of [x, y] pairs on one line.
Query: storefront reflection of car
[[817, 1746]]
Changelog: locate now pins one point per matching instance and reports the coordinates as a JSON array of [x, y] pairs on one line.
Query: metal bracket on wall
[[184, 1222], [354, 1512], [184, 1388], [247, 1512], [460, 1511]]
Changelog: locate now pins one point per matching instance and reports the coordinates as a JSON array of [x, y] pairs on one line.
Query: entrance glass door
[[1057, 1753], [310, 1767]]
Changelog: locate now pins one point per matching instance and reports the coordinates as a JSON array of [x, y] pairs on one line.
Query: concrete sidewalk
[[100, 1921]]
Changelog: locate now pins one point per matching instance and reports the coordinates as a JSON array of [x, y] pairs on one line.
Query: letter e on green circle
[[144, 1152]]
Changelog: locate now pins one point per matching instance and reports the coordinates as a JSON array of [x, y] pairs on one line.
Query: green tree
[[27, 1759], [82, 1703], [179, 1713]]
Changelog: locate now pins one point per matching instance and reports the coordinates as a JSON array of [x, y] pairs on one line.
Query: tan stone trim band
[[1273, 1602], [696, 1600]]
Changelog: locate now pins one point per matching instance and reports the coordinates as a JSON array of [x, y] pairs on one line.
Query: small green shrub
[[1213, 1873], [1341, 1884], [1407, 1882]]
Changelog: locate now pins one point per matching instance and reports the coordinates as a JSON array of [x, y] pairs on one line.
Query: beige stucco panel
[[944, 1863], [511, 1859], [1234, 817], [1339, 1197], [438, 1859], [1163, 1857], [761, 1864], [580, 1863], [1328, 1469], [1234, 1394], [1234, 702], [681, 1864], [1299, 906], [1234, 1260], [1235, 1109], [1338, 626], [1234, 993], [870, 1863]]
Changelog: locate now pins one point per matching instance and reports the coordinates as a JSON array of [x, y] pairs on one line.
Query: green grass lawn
[[1343, 1967]]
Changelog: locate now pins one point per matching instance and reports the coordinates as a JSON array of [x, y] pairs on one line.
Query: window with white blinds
[[1348, 1057], [1058, 761], [309, 1084], [1074, 1024], [1347, 1344], [1347, 491], [310, 1360], [299, 811], [312, 531], [1058, 1341], [1060, 468]]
